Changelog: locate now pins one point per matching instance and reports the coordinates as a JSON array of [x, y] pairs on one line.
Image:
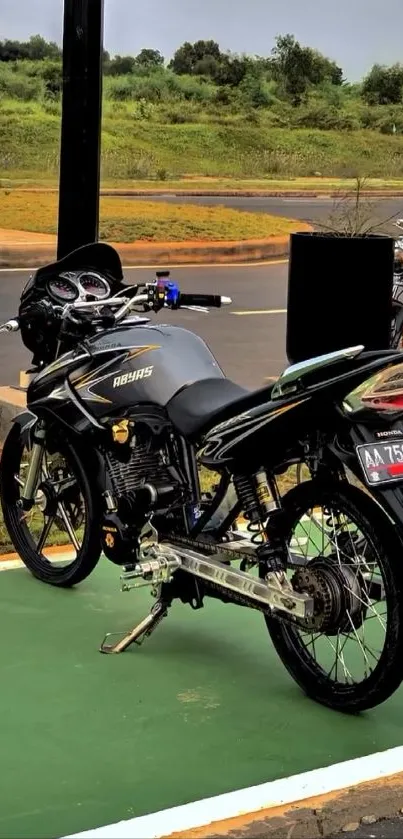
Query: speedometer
[[62, 289], [94, 285]]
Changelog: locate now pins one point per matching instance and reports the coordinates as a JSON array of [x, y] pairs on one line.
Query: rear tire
[[87, 557], [382, 679]]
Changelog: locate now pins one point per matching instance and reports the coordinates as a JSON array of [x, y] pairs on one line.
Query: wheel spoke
[[68, 526], [45, 533], [338, 650], [58, 504], [335, 540]]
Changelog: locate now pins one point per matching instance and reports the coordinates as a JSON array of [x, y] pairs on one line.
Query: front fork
[[29, 490]]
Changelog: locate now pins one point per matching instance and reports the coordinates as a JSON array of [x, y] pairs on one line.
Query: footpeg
[[156, 565], [151, 572], [138, 634]]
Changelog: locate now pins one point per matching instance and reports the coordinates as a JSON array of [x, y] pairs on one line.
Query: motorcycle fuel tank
[[131, 364]]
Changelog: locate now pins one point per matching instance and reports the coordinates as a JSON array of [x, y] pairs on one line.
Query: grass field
[[126, 221], [141, 151], [207, 184]]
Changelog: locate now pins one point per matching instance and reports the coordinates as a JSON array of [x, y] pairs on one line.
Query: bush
[[16, 85], [119, 88], [178, 116], [324, 117], [143, 110]]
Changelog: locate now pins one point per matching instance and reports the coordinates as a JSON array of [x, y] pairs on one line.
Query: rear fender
[[388, 496]]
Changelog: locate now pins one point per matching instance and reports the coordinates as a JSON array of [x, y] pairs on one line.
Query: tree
[[121, 65], [207, 66], [182, 62], [292, 66], [203, 48], [190, 56], [383, 85], [233, 70], [36, 49], [149, 59], [323, 69], [39, 49], [299, 67]]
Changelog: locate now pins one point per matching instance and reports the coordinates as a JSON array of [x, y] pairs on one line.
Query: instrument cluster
[[83, 285]]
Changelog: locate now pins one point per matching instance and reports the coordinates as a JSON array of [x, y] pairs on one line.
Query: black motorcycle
[[122, 412]]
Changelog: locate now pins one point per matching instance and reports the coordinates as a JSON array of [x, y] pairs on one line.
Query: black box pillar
[[81, 124], [339, 293]]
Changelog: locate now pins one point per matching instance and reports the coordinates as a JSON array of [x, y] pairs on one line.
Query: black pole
[[80, 153]]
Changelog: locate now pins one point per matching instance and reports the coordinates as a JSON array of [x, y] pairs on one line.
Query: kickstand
[[139, 633]]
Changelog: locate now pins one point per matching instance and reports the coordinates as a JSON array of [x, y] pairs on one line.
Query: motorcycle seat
[[201, 405]]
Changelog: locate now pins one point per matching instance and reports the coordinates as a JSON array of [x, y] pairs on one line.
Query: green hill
[[135, 150]]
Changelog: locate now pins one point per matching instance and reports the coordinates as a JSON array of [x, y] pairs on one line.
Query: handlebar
[[12, 325], [158, 295], [156, 298], [205, 300]]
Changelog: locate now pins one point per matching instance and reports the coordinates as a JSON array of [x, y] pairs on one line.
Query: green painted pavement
[[204, 707]]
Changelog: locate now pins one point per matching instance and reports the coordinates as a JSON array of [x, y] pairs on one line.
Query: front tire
[[377, 569], [30, 546]]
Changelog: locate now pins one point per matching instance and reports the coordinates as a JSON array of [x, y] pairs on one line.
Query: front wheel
[[349, 655], [58, 538]]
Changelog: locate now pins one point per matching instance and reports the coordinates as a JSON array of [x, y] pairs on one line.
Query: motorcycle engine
[[143, 481]]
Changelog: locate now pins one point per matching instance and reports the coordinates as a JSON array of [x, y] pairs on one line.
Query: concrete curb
[[231, 193], [27, 255], [315, 818], [255, 193], [311, 805]]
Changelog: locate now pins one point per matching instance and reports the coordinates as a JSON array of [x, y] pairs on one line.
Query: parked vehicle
[[397, 298], [122, 411]]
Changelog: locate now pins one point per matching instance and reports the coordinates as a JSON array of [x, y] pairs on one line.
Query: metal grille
[[144, 466]]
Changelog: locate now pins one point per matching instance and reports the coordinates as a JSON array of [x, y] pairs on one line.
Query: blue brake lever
[[172, 295], [163, 293]]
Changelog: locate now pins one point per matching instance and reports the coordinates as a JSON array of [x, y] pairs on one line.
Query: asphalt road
[[248, 347], [316, 211]]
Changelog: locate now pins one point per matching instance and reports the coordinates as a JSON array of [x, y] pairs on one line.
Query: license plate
[[382, 462]]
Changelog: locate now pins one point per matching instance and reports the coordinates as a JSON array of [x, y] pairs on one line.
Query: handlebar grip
[[206, 300]]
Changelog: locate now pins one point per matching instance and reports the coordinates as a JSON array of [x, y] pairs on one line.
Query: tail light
[[383, 392]]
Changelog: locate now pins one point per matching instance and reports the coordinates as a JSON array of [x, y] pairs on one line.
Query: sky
[[355, 33]]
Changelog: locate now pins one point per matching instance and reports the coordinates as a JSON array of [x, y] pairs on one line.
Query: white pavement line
[[172, 267], [16, 270], [252, 800], [261, 312], [12, 564]]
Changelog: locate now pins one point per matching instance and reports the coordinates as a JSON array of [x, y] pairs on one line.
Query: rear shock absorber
[[254, 496], [260, 504]]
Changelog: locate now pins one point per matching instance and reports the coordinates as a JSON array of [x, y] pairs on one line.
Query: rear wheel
[[349, 656], [58, 538]]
